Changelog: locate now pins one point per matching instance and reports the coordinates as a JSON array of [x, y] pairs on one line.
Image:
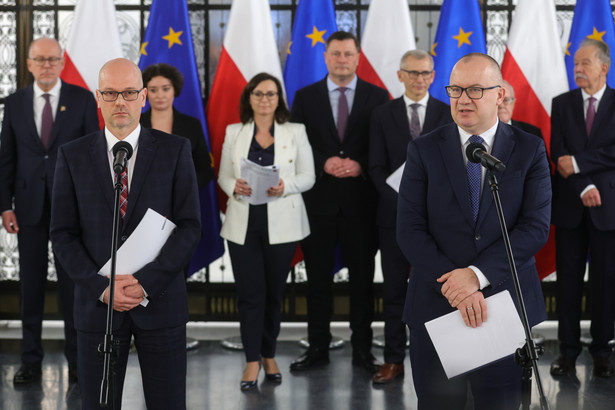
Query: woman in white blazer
[[262, 239]]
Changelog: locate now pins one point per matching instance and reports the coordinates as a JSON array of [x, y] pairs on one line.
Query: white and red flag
[[387, 36]]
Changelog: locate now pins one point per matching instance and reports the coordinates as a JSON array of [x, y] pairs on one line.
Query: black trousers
[[33, 245], [358, 239], [395, 270], [260, 271], [571, 250]]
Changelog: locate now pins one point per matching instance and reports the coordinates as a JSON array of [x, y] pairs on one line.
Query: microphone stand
[[527, 356], [109, 349]]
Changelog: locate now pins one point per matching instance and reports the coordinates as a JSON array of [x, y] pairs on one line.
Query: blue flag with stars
[[460, 32], [592, 19], [168, 39], [305, 64]]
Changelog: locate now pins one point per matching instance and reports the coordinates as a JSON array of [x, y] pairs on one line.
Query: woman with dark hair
[[262, 238], [164, 82]]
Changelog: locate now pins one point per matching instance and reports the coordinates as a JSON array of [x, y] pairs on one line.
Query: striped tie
[[474, 179], [124, 193]]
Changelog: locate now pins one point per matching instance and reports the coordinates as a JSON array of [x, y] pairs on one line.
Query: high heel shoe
[[272, 377], [246, 385]]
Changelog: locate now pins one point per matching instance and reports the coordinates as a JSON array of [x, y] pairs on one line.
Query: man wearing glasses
[[37, 120], [449, 231], [393, 125]]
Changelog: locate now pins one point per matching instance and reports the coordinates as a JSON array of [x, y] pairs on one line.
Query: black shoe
[[310, 358], [72, 373], [274, 377], [246, 385], [27, 373], [603, 367], [562, 366], [367, 361]]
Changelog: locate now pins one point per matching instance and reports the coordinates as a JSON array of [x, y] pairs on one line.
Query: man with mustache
[[583, 149]]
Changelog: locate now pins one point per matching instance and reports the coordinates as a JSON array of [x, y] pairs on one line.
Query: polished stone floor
[[214, 373]]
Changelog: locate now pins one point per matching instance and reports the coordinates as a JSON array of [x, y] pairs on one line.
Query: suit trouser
[[395, 268], [571, 250], [162, 359], [358, 238], [33, 245], [260, 271]]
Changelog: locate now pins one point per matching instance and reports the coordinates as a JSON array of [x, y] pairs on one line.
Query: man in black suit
[[507, 108], [37, 120], [341, 206], [582, 147], [161, 177], [394, 124]]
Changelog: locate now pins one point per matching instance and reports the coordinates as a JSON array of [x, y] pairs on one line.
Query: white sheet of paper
[[142, 246], [394, 180], [462, 348], [260, 179]]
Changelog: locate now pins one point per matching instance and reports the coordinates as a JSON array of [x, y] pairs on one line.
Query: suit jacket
[[388, 143], [26, 167], [529, 128], [286, 216], [436, 231], [331, 196], [81, 224], [191, 128], [595, 156]]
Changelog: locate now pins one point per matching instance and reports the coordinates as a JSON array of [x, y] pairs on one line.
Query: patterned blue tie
[[474, 179]]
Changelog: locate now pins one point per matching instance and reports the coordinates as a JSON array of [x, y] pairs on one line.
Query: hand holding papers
[[260, 179]]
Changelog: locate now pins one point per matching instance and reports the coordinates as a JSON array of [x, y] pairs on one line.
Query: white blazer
[[287, 217]]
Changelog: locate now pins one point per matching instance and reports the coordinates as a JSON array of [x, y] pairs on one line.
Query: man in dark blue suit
[[450, 234], [582, 147], [37, 120], [161, 177], [393, 125]]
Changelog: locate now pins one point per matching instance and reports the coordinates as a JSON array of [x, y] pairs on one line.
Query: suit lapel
[[27, 108], [602, 116], [400, 119], [324, 106], [61, 114], [242, 145], [145, 157], [100, 161]]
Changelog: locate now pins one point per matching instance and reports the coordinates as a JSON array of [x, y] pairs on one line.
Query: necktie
[[474, 179], [591, 114], [124, 193], [415, 124], [342, 113], [47, 122]]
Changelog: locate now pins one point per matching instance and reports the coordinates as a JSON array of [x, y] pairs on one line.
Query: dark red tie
[[124, 193], [415, 123], [342, 113], [591, 114], [47, 122]]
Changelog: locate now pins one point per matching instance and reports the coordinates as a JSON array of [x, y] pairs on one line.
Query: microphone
[[477, 153], [122, 151]]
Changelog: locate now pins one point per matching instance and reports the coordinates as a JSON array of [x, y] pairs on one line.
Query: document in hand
[[260, 179], [462, 348], [394, 180]]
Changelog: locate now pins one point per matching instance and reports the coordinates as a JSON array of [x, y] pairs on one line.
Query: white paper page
[[260, 179], [394, 180], [462, 348]]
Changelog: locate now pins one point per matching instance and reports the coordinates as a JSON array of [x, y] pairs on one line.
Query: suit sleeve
[[297, 114], [8, 160], [200, 155], [378, 159], [91, 122], [304, 165], [380, 97], [226, 173]]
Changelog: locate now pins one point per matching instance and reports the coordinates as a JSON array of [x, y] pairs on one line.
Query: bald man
[[37, 120], [448, 229], [160, 176]]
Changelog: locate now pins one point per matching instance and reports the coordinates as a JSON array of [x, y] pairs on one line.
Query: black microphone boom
[[477, 153], [122, 151]]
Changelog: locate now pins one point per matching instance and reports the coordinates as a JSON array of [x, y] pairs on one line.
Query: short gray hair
[[602, 50], [417, 55]]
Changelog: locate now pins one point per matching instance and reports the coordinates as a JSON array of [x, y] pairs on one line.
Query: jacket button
[[341, 152], [123, 238], [477, 237]]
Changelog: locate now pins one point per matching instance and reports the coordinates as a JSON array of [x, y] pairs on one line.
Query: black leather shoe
[[27, 373], [310, 358], [72, 373], [246, 385], [367, 361], [603, 367], [562, 366], [274, 377]]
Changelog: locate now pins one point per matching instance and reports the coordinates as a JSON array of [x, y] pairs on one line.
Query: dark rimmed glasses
[[474, 93], [127, 95], [415, 74]]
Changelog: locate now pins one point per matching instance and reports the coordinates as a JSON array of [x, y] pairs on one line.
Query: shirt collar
[[352, 85], [422, 101], [598, 95], [54, 92], [488, 136], [132, 138]]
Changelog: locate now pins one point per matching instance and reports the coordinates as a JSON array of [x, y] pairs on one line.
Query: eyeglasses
[[415, 74], [127, 95], [259, 95], [474, 93], [40, 61], [508, 100]]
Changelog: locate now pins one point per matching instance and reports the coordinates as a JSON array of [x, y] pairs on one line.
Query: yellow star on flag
[[173, 37], [597, 35], [143, 51], [433, 49], [568, 49], [316, 36], [290, 43], [463, 37]]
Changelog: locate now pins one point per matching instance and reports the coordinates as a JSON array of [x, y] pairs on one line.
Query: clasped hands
[[242, 188], [461, 289], [342, 167], [128, 293], [565, 168]]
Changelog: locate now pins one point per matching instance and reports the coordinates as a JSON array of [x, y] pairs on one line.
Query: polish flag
[[94, 39], [534, 65], [249, 48], [387, 36]]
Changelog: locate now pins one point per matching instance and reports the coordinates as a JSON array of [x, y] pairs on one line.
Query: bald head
[[47, 44], [492, 68], [119, 67]]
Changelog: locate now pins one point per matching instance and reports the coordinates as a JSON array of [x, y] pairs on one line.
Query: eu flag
[[168, 39], [592, 19], [305, 64], [460, 32]]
